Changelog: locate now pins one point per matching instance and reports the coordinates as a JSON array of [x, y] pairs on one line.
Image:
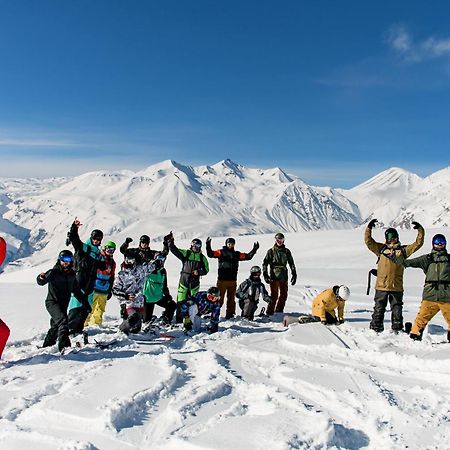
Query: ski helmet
[[343, 292], [391, 233], [439, 239], [97, 235], [230, 240], [279, 236], [255, 269], [197, 243], [129, 260], [213, 294], [65, 256], [109, 247], [144, 239], [160, 258]]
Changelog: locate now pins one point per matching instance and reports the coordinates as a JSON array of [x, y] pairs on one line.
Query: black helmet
[[213, 293], [65, 256], [129, 259], [230, 241], [144, 239], [255, 269], [97, 234], [391, 233], [196, 243], [439, 239], [279, 236]]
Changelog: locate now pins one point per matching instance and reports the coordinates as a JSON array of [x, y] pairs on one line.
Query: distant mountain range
[[223, 199]]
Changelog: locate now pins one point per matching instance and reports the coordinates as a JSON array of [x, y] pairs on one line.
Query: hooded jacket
[[278, 257], [327, 302]]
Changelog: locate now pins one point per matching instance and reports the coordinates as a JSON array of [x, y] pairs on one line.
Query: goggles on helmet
[[391, 236], [439, 241], [110, 250], [66, 259], [279, 240], [196, 245]]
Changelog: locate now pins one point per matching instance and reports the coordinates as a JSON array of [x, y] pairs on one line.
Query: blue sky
[[332, 91]]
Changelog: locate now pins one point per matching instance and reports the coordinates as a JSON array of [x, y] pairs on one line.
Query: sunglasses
[[439, 242], [66, 259]]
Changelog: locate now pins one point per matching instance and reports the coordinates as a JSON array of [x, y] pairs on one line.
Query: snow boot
[[448, 336], [408, 326]]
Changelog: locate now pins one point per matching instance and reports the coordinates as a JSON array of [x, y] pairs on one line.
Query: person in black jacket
[[228, 269], [62, 282], [143, 253]]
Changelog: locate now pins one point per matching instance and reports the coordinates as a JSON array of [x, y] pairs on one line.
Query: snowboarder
[[194, 265], [389, 284], [62, 282], [128, 288], [325, 304], [277, 258], [103, 285], [4, 330], [143, 253], [436, 290], [202, 303], [87, 261], [249, 292], [157, 292], [228, 267]]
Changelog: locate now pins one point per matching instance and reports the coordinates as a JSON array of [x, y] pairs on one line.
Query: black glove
[[128, 240], [293, 278], [266, 277], [416, 225], [208, 240], [255, 247], [341, 321], [168, 237], [372, 223]]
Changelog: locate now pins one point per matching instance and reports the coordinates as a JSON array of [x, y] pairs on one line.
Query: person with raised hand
[[143, 252], [389, 284]]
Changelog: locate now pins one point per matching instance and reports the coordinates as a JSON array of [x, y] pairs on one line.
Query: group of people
[[81, 282]]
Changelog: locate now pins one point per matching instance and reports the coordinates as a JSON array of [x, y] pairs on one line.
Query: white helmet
[[343, 292]]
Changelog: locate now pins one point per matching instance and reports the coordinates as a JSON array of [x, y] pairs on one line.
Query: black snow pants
[[59, 326], [169, 308], [77, 317], [248, 308], [396, 301]]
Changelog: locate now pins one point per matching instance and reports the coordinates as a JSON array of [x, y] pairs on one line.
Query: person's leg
[[52, 335], [274, 289], [221, 285], [149, 308], [4, 335], [195, 318], [231, 301], [396, 301], [426, 312], [181, 296], [380, 303], [445, 310], [98, 307], [91, 300], [279, 307], [169, 308]]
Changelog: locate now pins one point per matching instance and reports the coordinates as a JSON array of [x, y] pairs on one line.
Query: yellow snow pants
[[98, 308], [427, 311]]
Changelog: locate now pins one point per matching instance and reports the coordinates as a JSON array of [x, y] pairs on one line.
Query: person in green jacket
[[436, 290], [194, 265], [277, 258]]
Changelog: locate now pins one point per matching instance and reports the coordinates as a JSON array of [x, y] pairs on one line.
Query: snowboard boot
[[417, 337], [448, 336], [408, 326], [63, 343]]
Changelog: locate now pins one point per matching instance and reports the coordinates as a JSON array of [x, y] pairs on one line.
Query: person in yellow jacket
[[325, 304], [389, 285]]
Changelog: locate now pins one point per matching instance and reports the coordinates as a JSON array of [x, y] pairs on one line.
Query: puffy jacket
[[131, 281], [436, 266], [278, 257], [61, 284], [105, 277], [327, 302], [87, 260], [228, 261], [191, 261], [390, 275], [252, 290]]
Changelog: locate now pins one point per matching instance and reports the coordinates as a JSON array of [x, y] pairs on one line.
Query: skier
[[87, 261], [62, 282], [202, 303], [103, 286], [325, 304], [4, 330], [128, 287], [194, 265], [389, 284], [143, 253], [157, 292], [277, 258], [249, 292], [228, 266], [436, 290]]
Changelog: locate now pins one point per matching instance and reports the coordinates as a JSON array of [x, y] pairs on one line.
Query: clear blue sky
[[333, 91]]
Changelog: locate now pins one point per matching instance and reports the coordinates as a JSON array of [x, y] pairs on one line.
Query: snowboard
[[2, 250]]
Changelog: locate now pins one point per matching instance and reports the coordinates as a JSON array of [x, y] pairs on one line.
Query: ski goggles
[[212, 297], [391, 236], [66, 259], [110, 250], [279, 241], [439, 241], [196, 245]]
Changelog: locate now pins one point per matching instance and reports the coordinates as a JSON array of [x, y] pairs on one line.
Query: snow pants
[[396, 301], [248, 308], [183, 293], [166, 302], [133, 323], [427, 311], [228, 288], [59, 326], [4, 335], [278, 294], [97, 301]]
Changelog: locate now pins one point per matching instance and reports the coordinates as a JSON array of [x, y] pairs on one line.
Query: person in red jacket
[[4, 330]]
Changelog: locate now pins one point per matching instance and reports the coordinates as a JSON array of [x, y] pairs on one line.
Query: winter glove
[[372, 223], [416, 225], [294, 278], [168, 237], [208, 240], [341, 321], [213, 328], [255, 247], [187, 324], [128, 240], [266, 277]]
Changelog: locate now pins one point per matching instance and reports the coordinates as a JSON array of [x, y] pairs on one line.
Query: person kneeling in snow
[[128, 288], [202, 303], [324, 305], [249, 292]]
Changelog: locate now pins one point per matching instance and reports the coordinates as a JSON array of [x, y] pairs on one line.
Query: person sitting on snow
[[325, 304], [202, 303], [249, 292]]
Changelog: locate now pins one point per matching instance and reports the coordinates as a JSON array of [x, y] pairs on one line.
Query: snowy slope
[[250, 386]]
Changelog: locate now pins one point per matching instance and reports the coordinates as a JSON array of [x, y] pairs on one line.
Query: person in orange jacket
[[324, 306]]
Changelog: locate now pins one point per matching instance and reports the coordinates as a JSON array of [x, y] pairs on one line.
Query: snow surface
[[253, 385]]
